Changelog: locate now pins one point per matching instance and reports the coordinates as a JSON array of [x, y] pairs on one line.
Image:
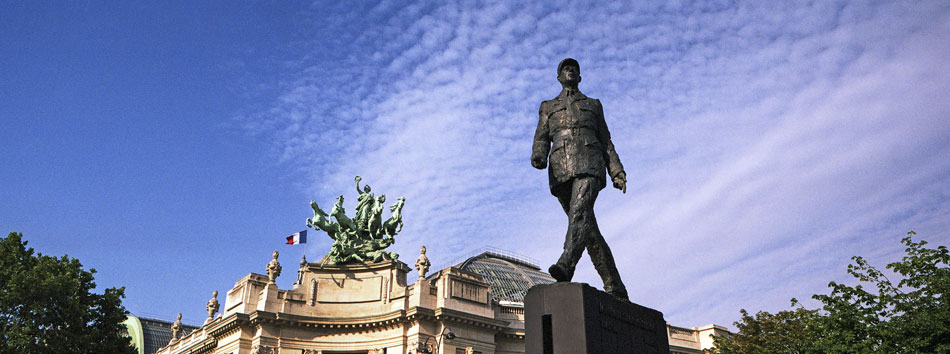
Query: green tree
[[47, 305], [875, 316], [785, 332]]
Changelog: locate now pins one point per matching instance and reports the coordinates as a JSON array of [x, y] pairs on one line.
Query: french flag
[[297, 238]]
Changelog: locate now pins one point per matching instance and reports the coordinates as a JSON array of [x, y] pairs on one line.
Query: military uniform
[[572, 135], [572, 128]]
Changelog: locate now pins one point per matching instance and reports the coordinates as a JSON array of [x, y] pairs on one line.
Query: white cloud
[[764, 145]]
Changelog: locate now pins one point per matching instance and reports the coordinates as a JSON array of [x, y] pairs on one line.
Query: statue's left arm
[[614, 167]]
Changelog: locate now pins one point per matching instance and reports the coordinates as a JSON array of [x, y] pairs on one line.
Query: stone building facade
[[471, 307]]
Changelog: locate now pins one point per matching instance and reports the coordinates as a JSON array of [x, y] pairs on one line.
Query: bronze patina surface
[[573, 142], [365, 237]]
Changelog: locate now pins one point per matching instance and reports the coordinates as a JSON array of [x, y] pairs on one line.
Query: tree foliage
[[785, 332], [875, 316], [47, 305]]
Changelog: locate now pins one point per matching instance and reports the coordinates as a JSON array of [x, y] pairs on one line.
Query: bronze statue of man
[[573, 136]]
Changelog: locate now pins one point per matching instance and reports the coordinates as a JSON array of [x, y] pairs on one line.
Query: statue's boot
[[618, 292], [560, 273]]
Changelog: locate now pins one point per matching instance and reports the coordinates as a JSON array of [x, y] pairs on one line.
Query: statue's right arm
[[542, 141]]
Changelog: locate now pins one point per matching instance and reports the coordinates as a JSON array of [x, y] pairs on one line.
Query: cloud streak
[[765, 144]]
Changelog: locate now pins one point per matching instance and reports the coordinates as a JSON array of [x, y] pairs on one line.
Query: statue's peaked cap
[[568, 61]]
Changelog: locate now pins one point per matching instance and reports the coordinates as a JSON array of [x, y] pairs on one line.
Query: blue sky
[[173, 146]]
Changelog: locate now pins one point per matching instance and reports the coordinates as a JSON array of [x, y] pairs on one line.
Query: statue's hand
[[620, 181], [539, 162]]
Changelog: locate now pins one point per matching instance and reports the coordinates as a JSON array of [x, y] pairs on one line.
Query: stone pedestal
[[575, 318]]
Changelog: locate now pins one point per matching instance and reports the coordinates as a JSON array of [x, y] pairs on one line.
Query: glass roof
[[509, 275]]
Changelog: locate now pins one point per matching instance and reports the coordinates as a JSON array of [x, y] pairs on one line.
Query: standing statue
[[273, 269], [212, 306], [364, 208], [582, 150], [176, 328], [422, 263]]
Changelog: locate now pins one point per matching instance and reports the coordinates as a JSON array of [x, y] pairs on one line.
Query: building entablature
[[460, 317], [364, 322], [350, 308], [370, 308]]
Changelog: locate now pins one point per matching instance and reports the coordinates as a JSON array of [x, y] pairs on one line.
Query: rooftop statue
[[422, 263], [212, 306], [176, 329], [365, 237], [273, 269]]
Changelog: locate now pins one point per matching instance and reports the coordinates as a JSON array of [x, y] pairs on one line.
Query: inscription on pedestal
[[573, 318]]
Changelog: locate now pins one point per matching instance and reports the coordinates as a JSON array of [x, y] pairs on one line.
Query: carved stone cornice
[[346, 323], [449, 315], [227, 325], [321, 267], [206, 346], [417, 313]]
